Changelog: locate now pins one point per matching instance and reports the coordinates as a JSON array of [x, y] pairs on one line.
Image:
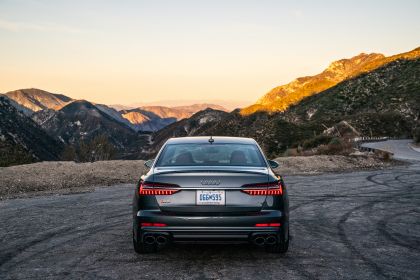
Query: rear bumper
[[203, 234], [209, 228]]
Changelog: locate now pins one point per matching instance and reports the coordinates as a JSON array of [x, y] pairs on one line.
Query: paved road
[[363, 225], [400, 148]]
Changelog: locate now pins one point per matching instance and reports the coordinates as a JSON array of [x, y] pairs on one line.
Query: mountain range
[[75, 122], [229, 104], [366, 95], [146, 118]]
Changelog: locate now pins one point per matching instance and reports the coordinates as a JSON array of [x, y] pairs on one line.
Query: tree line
[[95, 149]]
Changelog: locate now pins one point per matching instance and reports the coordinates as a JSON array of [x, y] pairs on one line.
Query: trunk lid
[[196, 181]]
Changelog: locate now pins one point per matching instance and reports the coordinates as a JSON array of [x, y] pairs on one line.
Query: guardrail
[[358, 141], [370, 139], [367, 149]]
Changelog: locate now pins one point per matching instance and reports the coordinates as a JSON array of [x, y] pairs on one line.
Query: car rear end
[[211, 199]]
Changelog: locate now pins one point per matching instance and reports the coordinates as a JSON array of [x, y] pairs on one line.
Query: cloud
[[14, 26]]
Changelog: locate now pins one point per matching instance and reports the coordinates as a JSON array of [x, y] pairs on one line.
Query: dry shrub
[[317, 141], [291, 152], [385, 156], [337, 146], [310, 152]]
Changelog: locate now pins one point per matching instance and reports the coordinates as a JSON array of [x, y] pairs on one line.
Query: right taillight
[[149, 188], [274, 188], [268, 225]]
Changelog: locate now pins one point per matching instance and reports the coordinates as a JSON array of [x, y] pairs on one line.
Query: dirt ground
[[333, 163], [350, 225], [70, 177]]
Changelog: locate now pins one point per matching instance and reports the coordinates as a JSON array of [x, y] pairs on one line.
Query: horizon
[[235, 51]]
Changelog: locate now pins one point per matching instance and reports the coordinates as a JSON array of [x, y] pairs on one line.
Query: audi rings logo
[[210, 182]]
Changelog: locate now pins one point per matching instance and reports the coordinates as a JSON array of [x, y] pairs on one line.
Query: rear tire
[[142, 248], [280, 247]]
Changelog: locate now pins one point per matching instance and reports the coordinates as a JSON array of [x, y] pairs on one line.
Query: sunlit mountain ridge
[[282, 97]]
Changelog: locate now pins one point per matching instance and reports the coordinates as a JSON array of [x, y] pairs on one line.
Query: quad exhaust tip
[[261, 240], [159, 239], [270, 240], [149, 239]]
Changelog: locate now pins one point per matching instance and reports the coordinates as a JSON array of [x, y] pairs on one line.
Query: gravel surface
[[66, 177], [353, 225], [70, 177], [322, 163]]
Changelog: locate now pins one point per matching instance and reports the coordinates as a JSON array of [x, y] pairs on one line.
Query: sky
[[124, 52]]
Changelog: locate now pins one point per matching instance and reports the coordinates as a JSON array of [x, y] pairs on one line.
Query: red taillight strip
[[147, 188], [257, 189], [156, 191], [153, 225], [268, 225]]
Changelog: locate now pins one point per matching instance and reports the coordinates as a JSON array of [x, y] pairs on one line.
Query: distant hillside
[[36, 99], [197, 124], [116, 115], [27, 112], [22, 140], [154, 118], [82, 121], [282, 97], [194, 108], [146, 121], [394, 87], [225, 104]]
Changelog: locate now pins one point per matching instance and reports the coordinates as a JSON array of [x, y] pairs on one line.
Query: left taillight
[[148, 188], [274, 188], [153, 225]]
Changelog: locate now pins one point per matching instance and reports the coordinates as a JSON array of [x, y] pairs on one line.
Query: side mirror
[[273, 164], [149, 163]]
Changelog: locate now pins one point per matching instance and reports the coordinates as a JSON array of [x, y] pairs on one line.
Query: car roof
[[205, 139]]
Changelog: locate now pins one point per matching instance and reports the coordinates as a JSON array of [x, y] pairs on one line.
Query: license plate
[[210, 197]]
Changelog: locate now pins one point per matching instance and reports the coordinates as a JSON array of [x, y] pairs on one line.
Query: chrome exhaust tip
[[161, 240], [259, 240], [149, 239], [270, 240]]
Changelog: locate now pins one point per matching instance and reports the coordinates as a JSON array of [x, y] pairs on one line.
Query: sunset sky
[[141, 51]]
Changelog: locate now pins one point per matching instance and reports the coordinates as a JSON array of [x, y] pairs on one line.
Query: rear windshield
[[211, 155]]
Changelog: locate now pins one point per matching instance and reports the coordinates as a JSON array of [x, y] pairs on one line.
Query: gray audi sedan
[[210, 190]]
